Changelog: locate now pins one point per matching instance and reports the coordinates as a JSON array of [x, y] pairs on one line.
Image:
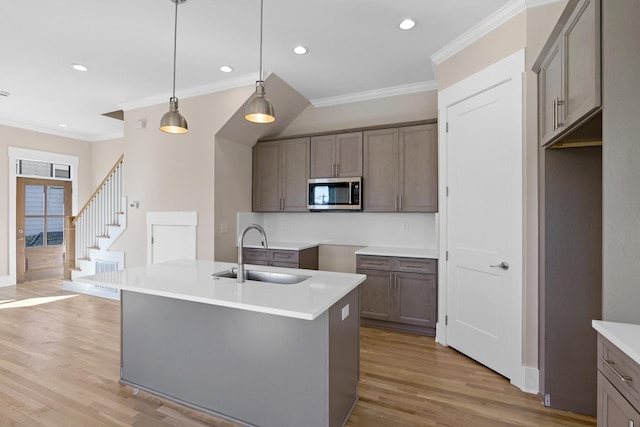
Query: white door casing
[[481, 219]]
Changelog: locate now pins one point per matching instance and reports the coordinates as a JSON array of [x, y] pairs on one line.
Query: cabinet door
[[323, 163], [613, 409], [380, 170], [549, 94], [415, 299], [418, 169], [376, 295], [582, 92], [348, 154], [266, 180], [294, 171]]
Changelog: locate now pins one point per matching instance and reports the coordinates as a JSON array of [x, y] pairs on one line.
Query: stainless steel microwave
[[335, 194]]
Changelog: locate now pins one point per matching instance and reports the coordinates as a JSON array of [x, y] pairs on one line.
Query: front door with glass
[[40, 210]]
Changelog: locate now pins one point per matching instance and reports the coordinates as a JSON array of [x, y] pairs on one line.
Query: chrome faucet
[[240, 272]]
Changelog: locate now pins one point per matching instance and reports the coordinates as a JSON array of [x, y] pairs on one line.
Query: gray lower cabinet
[[305, 258], [400, 169], [280, 174], [618, 387], [399, 293]]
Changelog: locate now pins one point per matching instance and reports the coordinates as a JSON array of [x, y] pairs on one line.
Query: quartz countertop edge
[[193, 280], [625, 336], [286, 246], [399, 252]]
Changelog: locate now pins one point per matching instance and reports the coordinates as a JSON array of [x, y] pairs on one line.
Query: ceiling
[[355, 47]]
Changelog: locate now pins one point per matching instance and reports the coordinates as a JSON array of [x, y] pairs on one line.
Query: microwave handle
[[350, 192]]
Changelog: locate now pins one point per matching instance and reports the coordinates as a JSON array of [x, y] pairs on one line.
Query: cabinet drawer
[[415, 265], [283, 256], [374, 262], [251, 255], [620, 370]]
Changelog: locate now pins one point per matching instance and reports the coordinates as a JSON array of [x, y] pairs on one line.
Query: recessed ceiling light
[[226, 69], [63, 125], [407, 24], [79, 67], [5, 94], [300, 50]]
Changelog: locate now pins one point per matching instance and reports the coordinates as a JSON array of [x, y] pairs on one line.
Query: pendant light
[[259, 109], [173, 121]]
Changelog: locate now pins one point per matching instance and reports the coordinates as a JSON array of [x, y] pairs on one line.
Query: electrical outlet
[[405, 227], [224, 227], [345, 311]]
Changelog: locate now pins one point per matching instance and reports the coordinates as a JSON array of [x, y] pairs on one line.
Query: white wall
[[407, 230]]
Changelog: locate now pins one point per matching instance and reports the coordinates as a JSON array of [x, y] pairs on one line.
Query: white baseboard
[[531, 380], [86, 288], [6, 281]]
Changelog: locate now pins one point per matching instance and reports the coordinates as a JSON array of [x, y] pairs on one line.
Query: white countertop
[[625, 336], [401, 252], [288, 246], [192, 281]]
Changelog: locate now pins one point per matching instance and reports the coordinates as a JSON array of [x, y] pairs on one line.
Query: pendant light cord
[[261, 12], [175, 43]]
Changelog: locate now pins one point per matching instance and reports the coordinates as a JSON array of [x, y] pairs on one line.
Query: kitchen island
[[258, 353]]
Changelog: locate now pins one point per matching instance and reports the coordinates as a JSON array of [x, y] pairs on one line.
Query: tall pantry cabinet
[[570, 136]]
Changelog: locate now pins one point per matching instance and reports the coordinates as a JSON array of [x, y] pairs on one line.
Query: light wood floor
[[59, 366]]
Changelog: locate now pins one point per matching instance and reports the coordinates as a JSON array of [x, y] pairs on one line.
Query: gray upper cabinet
[[569, 71], [336, 155], [401, 169], [280, 173]]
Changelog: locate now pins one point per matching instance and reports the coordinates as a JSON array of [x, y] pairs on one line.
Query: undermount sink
[[264, 276]]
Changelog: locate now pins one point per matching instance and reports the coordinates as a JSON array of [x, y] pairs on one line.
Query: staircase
[[97, 226]]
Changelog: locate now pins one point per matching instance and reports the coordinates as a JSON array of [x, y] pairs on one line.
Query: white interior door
[[171, 236], [484, 224]]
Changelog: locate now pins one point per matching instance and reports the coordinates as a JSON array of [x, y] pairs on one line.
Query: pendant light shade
[[259, 109], [173, 121]]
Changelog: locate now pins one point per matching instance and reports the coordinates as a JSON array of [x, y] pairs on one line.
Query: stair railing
[[102, 209]]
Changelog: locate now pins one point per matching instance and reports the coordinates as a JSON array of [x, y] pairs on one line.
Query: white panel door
[[484, 226], [171, 242]]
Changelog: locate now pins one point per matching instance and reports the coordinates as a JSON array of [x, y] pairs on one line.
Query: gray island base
[[254, 368]]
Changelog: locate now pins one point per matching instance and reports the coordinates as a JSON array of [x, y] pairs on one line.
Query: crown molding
[[249, 79], [374, 94], [55, 132], [484, 27]]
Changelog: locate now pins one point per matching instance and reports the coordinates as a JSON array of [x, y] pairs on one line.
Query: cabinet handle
[[555, 114], [337, 169], [400, 204], [374, 262], [631, 424], [610, 364], [395, 203]]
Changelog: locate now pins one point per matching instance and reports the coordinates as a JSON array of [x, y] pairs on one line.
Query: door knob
[[503, 265]]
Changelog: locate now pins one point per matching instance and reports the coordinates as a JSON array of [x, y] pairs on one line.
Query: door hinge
[[547, 400], [152, 240], [446, 319], [446, 256], [447, 191], [447, 126]]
